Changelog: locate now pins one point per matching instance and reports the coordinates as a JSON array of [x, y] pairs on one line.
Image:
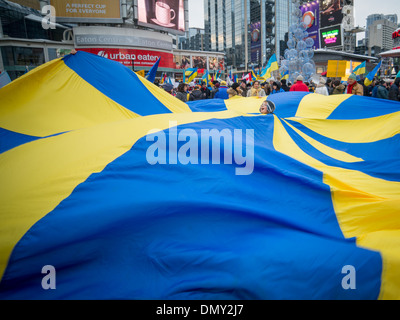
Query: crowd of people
[[220, 90]]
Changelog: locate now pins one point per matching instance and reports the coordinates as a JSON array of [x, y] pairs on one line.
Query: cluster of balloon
[[299, 55]]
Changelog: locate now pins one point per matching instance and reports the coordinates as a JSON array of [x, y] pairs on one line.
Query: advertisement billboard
[[140, 58], [199, 62], [310, 12], [167, 15], [331, 36], [88, 11], [331, 12], [255, 44], [181, 61]]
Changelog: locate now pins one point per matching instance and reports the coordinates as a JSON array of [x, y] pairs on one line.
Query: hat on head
[[300, 78], [353, 76], [168, 87], [223, 83]]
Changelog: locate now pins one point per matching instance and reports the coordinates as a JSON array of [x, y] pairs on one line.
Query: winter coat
[[339, 89], [182, 96], [196, 95], [394, 92], [382, 93], [299, 86], [322, 89], [222, 93]]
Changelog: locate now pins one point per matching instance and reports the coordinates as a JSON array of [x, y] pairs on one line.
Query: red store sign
[[141, 58], [396, 39]]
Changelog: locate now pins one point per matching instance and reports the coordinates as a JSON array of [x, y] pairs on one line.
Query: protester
[[338, 87], [196, 94], [299, 85], [382, 91], [256, 90], [371, 88], [329, 86], [267, 107], [353, 87], [182, 92], [394, 90], [284, 86], [276, 88], [215, 89], [234, 91], [205, 90], [243, 88], [222, 91], [169, 88], [321, 87], [267, 88]]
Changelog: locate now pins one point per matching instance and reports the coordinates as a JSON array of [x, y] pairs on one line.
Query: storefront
[[134, 48], [392, 57]]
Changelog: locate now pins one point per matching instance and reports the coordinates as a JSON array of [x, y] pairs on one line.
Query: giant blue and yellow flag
[[125, 192]]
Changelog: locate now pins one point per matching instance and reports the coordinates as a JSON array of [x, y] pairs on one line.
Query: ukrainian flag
[[110, 188], [271, 66], [253, 74], [190, 75], [370, 76], [206, 77], [360, 69], [285, 75]]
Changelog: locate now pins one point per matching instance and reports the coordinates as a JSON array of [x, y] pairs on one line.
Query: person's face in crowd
[[275, 87], [264, 109], [351, 81], [256, 85]]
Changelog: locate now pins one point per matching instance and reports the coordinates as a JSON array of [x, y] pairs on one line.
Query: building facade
[[380, 35], [249, 32]]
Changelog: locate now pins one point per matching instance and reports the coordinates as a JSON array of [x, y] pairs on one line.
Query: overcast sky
[[362, 8]]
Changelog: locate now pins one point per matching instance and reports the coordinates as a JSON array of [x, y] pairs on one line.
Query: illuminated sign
[[167, 15], [396, 39], [140, 58], [331, 37], [331, 12], [311, 17], [88, 11]]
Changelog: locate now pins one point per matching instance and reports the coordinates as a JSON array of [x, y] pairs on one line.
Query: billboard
[[331, 12], [138, 58], [167, 15], [255, 44], [199, 62], [310, 16], [88, 11], [181, 61], [331, 36]]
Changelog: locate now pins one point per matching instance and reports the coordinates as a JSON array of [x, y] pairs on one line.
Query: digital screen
[[167, 15], [331, 12], [331, 37], [310, 17], [88, 11]]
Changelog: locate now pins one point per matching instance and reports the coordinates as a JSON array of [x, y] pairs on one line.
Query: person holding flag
[[394, 91]]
